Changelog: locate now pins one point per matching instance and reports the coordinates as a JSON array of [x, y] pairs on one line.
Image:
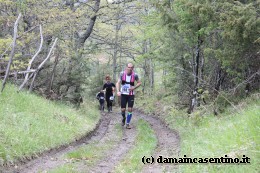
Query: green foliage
[[229, 35], [70, 69], [4, 43], [95, 83], [240, 26], [164, 33], [195, 19]]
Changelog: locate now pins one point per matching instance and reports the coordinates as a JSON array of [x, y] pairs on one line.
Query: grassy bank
[[30, 124], [234, 133]]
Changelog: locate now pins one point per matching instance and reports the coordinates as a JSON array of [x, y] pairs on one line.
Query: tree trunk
[[115, 49], [53, 72], [145, 67], [145, 76], [194, 99], [202, 66], [220, 76], [91, 24], [151, 74]]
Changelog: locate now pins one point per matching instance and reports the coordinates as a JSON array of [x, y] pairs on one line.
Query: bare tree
[[31, 61], [44, 61], [12, 52]]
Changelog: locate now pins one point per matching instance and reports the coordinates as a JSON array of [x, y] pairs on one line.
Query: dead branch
[[40, 66], [12, 52], [31, 61], [24, 72]]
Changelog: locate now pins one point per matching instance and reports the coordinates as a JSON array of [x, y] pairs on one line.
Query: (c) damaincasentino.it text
[[189, 160]]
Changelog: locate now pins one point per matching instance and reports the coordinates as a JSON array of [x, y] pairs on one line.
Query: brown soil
[[168, 146]]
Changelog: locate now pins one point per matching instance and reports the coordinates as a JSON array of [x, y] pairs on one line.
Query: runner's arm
[[118, 86], [104, 87], [113, 89], [138, 84]]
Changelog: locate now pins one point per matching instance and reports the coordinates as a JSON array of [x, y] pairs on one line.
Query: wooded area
[[199, 49]]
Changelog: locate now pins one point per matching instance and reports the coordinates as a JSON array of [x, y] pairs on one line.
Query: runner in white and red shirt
[[127, 80]]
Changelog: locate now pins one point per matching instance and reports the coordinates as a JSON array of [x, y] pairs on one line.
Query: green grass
[[30, 124], [233, 133], [147, 104], [67, 168], [145, 144]]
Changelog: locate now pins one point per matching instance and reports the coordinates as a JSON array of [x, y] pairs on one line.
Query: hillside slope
[[30, 124], [233, 133]]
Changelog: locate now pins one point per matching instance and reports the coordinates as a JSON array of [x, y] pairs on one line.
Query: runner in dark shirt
[[101, 97], [109, 89]]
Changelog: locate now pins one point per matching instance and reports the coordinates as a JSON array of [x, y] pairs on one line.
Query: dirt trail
[[168, 146], [117, 153]]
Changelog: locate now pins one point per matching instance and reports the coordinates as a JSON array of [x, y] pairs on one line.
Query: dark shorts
[[127, 99], [101, 101]]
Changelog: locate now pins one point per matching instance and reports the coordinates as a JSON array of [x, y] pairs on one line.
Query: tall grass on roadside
[[234, 132], [204, 135], [30, 124], [145, 144]]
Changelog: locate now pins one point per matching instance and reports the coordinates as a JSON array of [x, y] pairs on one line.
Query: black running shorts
[[127, 99]]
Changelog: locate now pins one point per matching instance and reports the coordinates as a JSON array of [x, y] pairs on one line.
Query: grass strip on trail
[[67, 168], [30, 124], [145, 144], [95, 151], [90, 154]]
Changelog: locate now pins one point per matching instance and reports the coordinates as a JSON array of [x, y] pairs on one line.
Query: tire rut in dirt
[[113, 157], [168, 145], [55, 158]]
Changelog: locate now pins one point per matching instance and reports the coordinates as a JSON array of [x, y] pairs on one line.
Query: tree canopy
[[184, 47]]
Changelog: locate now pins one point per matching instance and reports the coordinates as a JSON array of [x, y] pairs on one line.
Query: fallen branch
[[27, 71]]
